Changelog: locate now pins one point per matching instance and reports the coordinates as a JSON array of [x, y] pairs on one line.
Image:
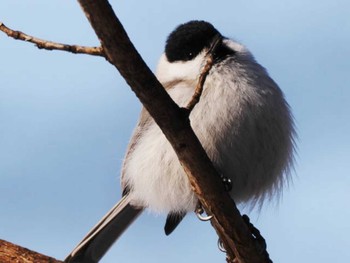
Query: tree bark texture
[[11, 253]]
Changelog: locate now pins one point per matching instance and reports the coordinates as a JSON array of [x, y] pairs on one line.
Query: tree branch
[[203, 75], [49, 45], [10, 253], [174, 122]]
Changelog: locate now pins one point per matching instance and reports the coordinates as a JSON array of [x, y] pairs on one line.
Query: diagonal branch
[[49, 45], [174, 122]]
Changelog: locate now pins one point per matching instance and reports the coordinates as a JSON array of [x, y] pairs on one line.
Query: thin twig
[[199, 88], [49, 45], [204, 73]]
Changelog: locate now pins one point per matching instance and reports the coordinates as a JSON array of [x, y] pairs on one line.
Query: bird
[[242, 120]]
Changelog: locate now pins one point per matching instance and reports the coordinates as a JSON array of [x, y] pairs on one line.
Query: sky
[[65, 121]]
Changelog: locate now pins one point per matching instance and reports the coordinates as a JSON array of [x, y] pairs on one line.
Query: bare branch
[[49, 45], [199, 88], [174, 122], [203, 75], [10, 253]]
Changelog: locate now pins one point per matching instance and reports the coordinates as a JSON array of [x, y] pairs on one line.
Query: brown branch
[[174, 122], [203, 75], [10, 253], [48, 45], [199, 88]]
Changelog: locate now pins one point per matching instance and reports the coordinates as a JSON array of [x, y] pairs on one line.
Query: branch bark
[[174, 122], [49, 45], [10, 253]]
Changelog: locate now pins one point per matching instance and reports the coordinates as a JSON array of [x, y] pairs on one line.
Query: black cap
[[189, 39]]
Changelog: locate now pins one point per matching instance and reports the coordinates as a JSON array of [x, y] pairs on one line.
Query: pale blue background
[[65, 121]]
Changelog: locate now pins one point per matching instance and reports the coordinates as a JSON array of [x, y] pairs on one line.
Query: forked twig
[[49, 45]]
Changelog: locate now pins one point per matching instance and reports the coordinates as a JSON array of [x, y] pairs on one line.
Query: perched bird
[[242, 120]]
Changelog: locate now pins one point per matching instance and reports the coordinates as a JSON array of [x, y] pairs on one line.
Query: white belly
[[243, 145]]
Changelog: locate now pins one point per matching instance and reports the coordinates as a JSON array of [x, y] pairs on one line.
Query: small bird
[[242, 120]]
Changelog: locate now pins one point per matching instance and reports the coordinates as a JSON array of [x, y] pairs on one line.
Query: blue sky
[[65, 121]]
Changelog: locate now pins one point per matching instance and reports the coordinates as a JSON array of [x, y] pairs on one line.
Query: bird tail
[[96, 243]]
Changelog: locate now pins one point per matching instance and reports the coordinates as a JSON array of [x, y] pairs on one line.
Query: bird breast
[[243, 124]]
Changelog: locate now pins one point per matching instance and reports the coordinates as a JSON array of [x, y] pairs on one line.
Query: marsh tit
[[242, 120]]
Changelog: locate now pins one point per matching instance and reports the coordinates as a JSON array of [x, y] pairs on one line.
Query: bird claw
[[221, 246], [200, 211], [259, 240]]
